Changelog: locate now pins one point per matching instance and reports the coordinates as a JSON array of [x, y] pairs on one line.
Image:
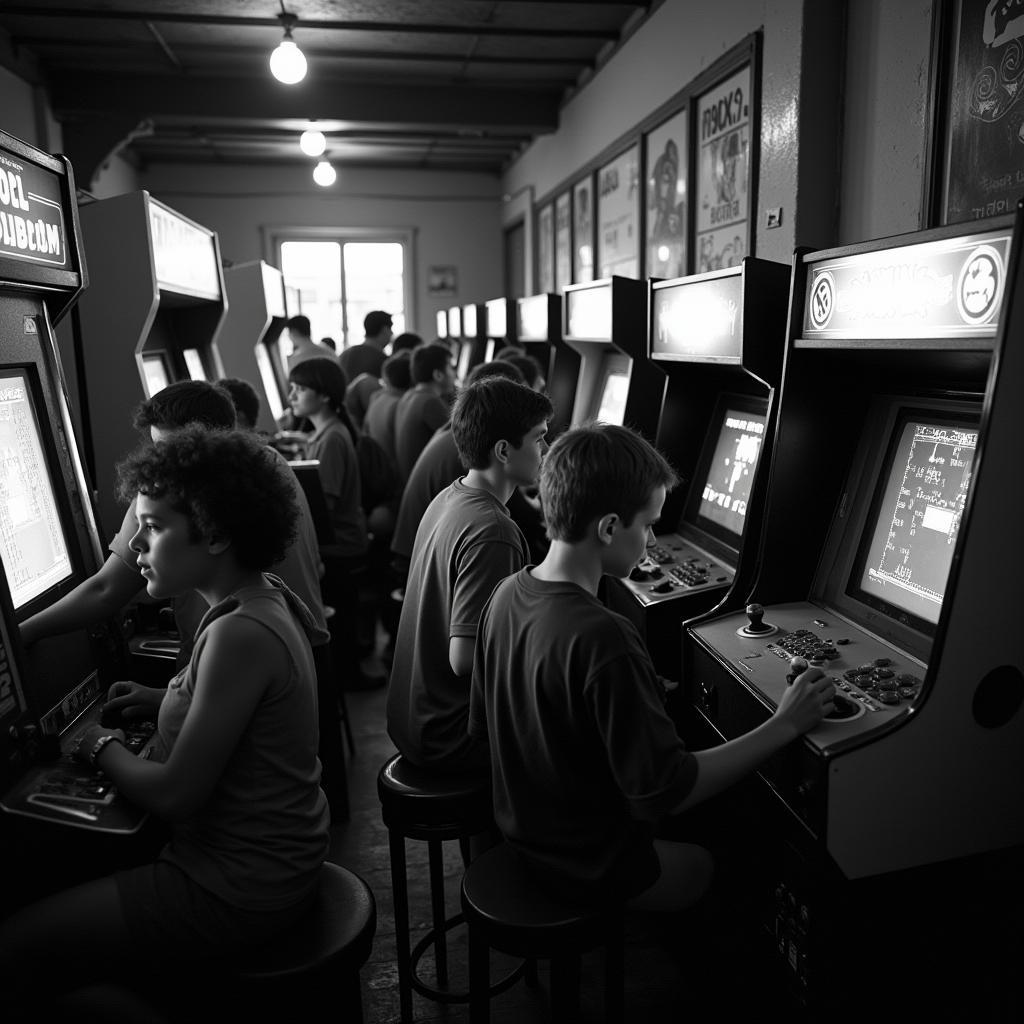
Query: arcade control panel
[[673, 567], [875, 682]]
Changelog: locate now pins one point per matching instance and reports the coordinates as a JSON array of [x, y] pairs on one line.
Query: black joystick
[[756, 626]]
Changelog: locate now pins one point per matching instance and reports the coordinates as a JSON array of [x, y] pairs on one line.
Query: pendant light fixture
[[312, 142], [287, 62], [324, 174]]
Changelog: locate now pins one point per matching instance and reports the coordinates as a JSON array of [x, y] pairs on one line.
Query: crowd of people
[[504, 664]]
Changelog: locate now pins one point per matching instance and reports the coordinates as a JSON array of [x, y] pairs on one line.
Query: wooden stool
[[433, 808], [316, 962], [507, 910]]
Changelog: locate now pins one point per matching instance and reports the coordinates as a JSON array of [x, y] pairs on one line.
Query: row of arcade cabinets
[[49, 540], [150, 316], [880, 855]]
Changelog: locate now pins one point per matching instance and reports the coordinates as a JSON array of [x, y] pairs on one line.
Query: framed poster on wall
[[666, 151], [583, 230], [546, 249], [563, 241], [722, 235], [618, 215], [981, 51]]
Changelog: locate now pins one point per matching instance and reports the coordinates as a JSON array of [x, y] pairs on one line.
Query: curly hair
[[227, 483], [184, 402]]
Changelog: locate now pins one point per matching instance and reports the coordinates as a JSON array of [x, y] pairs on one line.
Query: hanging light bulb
[[324, 174], [287, 62], [312, 142]]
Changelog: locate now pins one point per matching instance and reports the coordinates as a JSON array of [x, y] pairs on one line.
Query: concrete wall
[[455, 217]]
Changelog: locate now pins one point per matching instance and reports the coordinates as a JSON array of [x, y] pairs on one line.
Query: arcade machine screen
[[32, 542], [154, 370], [442, 323], [465, 354], [194, 364], [906, 548], [455, 322], [611, 406], [703, 553], [470, 328]]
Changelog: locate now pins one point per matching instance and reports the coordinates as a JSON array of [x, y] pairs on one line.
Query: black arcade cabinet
[[472, 325], [151, 315], [605, 324], [49, 542], [497, 327], [538, 329], [250, 339], [720, 338], [888, 839]]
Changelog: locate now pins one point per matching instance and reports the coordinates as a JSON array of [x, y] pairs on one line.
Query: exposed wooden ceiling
[[440, 84]]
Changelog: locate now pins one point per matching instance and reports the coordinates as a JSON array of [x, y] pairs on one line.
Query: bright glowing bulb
[[288, 63], [324, 174], [312, 142], [663, 253]]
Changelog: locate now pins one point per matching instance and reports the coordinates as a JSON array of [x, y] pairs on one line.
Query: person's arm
[[460, 654], [802, 707], [99, 597], [235, 650]]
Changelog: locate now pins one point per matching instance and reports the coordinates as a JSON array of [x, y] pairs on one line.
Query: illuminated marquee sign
[[31, 218], [951, 288], [497, 318], [533, 318], [699, 321], [589, 313], [184, 255]]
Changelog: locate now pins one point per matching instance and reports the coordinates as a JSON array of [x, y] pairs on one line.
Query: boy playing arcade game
[[585, 761], [235, 773]]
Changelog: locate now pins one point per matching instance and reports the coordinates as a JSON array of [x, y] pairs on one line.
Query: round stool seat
[[519, 916], [337, 933], [410, 796]]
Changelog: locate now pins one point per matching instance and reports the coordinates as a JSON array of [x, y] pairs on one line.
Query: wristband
[[98, 746]]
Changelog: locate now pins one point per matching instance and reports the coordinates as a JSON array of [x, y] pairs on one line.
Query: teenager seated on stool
[[585, 760], [235, 773], [466, 543]]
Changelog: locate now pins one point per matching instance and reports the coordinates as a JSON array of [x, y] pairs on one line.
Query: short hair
[[330, 343], [397, 370], [247, 402], [494, 368], [595, 469], [530, 367], [509, 350], [405, 342], [375, 321], [324, 375], [227, 482], [428, 358], [185, 402], [300, 323], [491, 410]]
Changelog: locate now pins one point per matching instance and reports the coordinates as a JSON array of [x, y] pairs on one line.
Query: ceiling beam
[[141, 96], [234, 21]]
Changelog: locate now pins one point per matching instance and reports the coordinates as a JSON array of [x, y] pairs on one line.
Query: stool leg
[[400, 895], [437, 906], [479, 978], [565, 988], [464, 849]]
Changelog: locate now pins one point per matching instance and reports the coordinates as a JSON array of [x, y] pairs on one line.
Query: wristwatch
[[98, 746]]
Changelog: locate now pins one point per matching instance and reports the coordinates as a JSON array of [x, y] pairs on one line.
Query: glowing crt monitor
[[470, 326], [725, 470], [154, 371], [194, 364], [455, 322], [442, 323], [33, 545], [910, 531], [611, 404]]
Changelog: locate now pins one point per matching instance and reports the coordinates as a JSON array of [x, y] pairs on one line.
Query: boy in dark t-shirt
[[466, 543], [585, 760]]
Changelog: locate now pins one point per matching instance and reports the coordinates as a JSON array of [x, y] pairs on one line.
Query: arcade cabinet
[[462, 352], [150, 316], [890, 556], [249, 340], [474, 339], [538, 329], [604, 324], [441, 318], [497, 327], [49, 542], [720, 338]]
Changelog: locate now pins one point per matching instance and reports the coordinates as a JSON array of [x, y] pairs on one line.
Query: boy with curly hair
[[236, 772]]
